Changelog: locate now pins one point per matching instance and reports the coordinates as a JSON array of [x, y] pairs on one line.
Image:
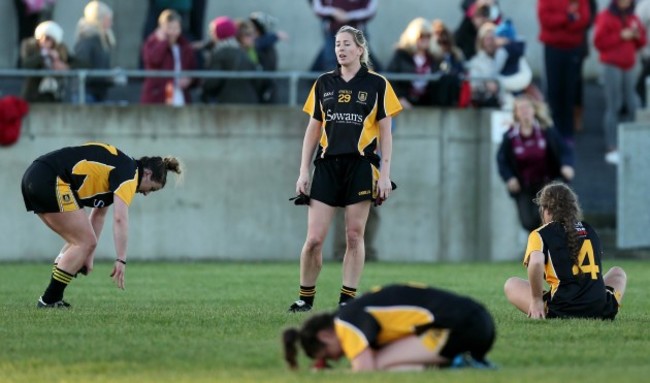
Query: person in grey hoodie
[[93, 48]]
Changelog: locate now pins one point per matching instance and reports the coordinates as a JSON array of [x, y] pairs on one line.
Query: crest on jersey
[[363, 96]]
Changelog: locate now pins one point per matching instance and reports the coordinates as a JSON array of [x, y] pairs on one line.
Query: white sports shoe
[[612, 157]]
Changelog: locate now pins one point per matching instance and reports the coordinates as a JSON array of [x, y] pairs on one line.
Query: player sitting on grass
[[566, 252]]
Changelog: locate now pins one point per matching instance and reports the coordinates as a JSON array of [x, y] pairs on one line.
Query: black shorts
[[344, 180], [44, 192], [475, 335], [609, 310]]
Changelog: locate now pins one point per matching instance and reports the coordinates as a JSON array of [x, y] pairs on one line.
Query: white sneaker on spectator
[[612, 157]]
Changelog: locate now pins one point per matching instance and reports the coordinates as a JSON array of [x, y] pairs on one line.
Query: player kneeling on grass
[[58, 185], [566, 252], [397, 327]]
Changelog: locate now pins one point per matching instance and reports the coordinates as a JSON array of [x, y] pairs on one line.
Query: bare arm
[[120, 237], [312, 135], [536, 278], [386, 146]]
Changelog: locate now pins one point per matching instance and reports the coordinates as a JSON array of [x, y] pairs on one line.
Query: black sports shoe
[[299, 306], [58, 304]]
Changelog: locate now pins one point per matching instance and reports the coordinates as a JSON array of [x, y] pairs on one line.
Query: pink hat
[[223, 27]]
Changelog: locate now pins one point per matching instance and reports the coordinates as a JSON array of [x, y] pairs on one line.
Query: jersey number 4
[[587, 261]]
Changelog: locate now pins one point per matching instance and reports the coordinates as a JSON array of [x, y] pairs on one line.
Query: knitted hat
[[506, 30], [50, 29], [223, 27], [264, 22]]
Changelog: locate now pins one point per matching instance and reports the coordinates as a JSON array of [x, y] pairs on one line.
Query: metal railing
[[293, 77]]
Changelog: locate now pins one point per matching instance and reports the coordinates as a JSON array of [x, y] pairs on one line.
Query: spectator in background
[[191, 12], [484, 69], [618, 35], [563, 25], [45, 50], [451, 65], [30, 13], [476, 13], [501, 56], [413, 55], [266, 37], [246, 38], [445, 50], [531, 155], [167, 49], [642, 11], [515, 75], [334, 14], [226, 54], [578, 106], [94, 47]]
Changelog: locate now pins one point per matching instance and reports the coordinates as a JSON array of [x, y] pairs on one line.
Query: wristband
[[120, 261]]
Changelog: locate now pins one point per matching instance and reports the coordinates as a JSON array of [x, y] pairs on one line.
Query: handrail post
[[82, 87], [293, 88]]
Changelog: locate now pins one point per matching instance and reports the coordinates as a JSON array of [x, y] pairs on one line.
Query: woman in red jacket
[[563, 25], [618, 35], [167, 49]]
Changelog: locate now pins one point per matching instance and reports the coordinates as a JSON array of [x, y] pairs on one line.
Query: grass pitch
[[221, 322]]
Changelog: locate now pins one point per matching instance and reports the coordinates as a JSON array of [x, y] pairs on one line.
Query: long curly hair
[[562, 204]]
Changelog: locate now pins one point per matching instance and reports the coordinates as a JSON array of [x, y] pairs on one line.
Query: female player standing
[[351, 110]]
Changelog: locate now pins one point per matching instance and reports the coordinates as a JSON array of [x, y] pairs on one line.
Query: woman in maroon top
[[531, 155], [167, 49]]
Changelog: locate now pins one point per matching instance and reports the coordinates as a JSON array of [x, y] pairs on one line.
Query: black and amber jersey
[[350, 111], [575, 291], [396, 311], [95, 172]]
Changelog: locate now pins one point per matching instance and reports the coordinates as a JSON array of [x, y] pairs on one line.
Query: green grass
[[221, 322]]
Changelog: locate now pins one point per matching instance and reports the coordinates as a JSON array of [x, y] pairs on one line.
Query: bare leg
[[616, 278], [408, 353], [80, 238], [517, 291], [355, 223], [319, 219]]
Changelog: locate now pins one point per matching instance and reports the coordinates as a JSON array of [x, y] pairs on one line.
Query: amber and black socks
[[59, 281], [307, 294], [347, 294]]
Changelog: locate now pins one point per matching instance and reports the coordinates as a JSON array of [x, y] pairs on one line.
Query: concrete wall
[[296, 18], [242, 164]]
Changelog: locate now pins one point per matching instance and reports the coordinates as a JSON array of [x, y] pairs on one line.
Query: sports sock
[[347, 293], [59, 281], [307, 294]]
